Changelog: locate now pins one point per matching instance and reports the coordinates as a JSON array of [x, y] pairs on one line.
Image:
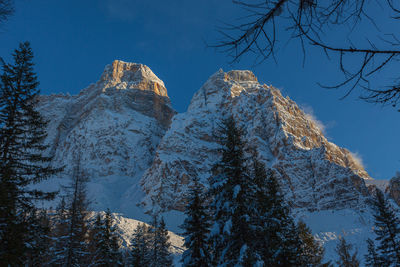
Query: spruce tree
[[233, 194], [196, 226], [312, 253], [40, 243], [140, 246], [71, 224], [346, 259], [260, 176], [22, 160], [284, 247], [160, 245], [372, 259], [95, 240], [104, 243], [77, 250], [387, 229], [59, 234]]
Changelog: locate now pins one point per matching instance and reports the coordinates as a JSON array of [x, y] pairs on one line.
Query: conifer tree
[[346, 259], [140, 246], [387, 229], [104, 242], [284, 246], [71, 224], [196, 226], [260, 176], [77, 250], [59, 234], [160, 245], [312, 251], [22, 162], [39, 252], [372, 259], [233, 195]]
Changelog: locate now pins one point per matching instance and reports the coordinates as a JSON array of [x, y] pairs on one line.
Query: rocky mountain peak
[[113, 127], [314, 173], [122, 75]]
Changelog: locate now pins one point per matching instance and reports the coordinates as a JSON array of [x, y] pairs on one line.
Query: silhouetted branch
[[6, 9], [310, 21]]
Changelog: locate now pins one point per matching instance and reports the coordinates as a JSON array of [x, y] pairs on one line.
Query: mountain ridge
[[140, 155]]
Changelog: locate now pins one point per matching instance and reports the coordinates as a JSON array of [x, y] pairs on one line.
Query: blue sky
[[74, 40]]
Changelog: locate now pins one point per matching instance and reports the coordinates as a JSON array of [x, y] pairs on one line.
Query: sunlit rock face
[[315, 174], [112, 129]]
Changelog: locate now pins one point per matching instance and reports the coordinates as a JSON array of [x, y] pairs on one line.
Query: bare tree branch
[[310, 22], [6, 10]]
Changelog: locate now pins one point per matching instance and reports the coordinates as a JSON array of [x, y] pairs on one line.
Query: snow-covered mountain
[[314, 173], [139, 155], [112, 128]]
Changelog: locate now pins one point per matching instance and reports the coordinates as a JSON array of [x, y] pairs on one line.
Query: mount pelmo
[[140, 155]]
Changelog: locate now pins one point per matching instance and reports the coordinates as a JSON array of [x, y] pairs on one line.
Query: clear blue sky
[[74, 40]]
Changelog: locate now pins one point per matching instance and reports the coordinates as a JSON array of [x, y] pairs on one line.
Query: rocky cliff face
[[314, 173], [113, 128]]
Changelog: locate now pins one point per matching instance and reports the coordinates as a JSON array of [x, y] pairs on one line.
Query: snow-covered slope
[[126, 226]]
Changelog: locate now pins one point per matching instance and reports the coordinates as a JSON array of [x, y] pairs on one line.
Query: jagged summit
[[113, 126], [122, 75]]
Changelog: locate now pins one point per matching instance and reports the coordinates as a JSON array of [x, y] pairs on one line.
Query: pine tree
[[22, 132], [140, 246], [260, 176], [77, 250], [343, 249], [372, 259], [39, 252], [71, 224], [312, 251], [104, 243], [59, 234], [284, 246], [160, 255], [387, 229], [233, 195], [196, 226]]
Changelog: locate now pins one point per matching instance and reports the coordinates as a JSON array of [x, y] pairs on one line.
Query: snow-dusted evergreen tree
[[160, 245], [59, 234], [104, 244], [233, 195], [22, 163], [39, 252], [346, 259], [372, 259], [261, 218], [77, 249], [283, 244], [71, 224], [140, 246], [312, 253], [197, 227], [387, 229]]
